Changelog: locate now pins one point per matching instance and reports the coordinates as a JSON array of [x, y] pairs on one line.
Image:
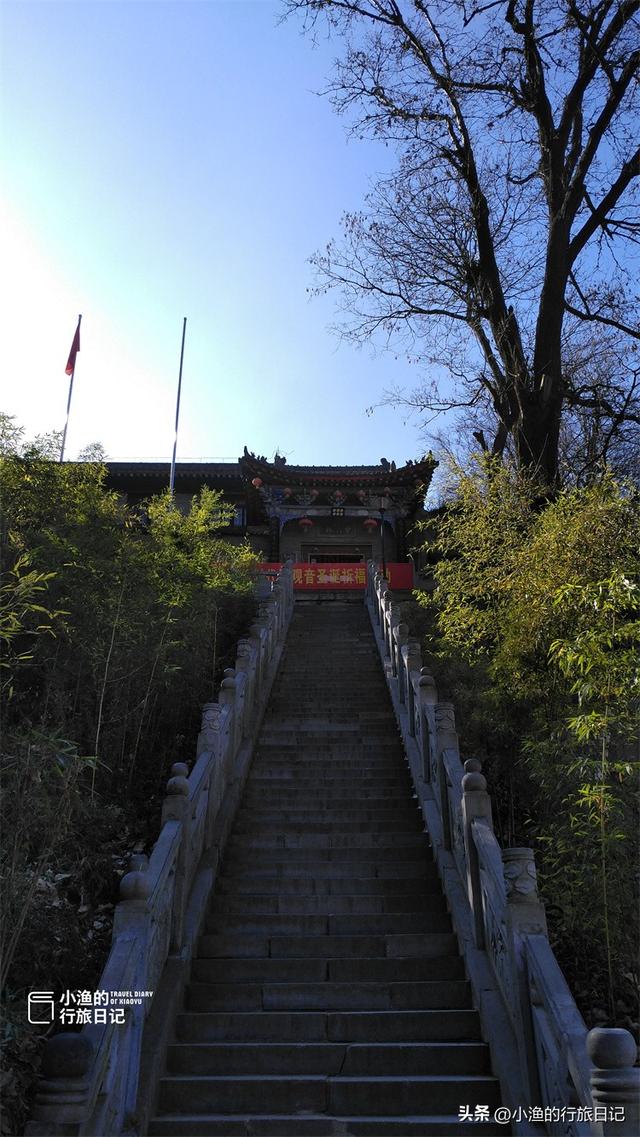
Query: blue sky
[[172, 159]]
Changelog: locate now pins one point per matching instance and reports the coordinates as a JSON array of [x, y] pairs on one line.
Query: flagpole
[[172, 477], [73, 371]]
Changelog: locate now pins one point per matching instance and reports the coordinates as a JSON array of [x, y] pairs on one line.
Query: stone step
[[328, 997], [446, 994], [312, 1125], [257, 826], [328, 763], [252, 884], [309, 779], [345, 748], [325, 870], [329, 1058], [317, 770], [286, 794], [266, 904], [385, 923], [337, 1026], [357, 742], [317, 970], [301, 814], [329, 724], [362, 1096], [242, 945], [241, 853], [395, 842]]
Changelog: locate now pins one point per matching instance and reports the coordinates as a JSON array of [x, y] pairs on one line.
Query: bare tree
[[504, 240]]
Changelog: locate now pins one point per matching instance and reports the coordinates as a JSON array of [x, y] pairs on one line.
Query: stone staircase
[[328, 996]]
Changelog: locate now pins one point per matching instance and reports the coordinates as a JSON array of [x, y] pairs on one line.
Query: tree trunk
[[536, 435]]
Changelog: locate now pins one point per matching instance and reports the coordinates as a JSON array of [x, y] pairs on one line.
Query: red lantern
[[305, 523], [370, 523], [257, 482]]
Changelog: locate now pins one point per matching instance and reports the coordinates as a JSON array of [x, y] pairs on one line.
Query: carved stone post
[[375, 593], [208, 735], [476, 804], [615, 1080], [414, 663], [61, 1100], [394, 623], [525, 916], [428, 697], [401, 636], [228, 698], [241, 705], [385, 606], [255, 636], [446, 739], [132, 922], [369, 591], [177, 807], [243, 667]]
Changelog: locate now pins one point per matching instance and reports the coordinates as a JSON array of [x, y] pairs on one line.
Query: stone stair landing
[[328, 996]]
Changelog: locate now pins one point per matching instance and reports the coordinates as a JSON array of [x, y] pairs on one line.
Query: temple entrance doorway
[[338, 554]]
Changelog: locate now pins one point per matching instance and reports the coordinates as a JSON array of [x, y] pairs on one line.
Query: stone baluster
[[243, 666], [132, 921], [255, 638], [228, 698], [209, 736], [428, 698], [615, 1080], [413, 662], [214, 737], [368, 592], [375, 592], [265, 623], [61, 1100], [177, 807], [387, 601], [476, 803], [394, 622], [241, 705], [525, 916], [446, 739], [401, 638], [275, 612], [383, 589]]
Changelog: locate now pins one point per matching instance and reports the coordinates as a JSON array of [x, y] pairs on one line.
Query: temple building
[[311, 514]]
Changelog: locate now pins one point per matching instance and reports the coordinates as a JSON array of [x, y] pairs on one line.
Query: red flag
[[75, 348]]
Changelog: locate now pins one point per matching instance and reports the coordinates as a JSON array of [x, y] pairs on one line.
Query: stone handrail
[[99, 1081], [555, 1076]]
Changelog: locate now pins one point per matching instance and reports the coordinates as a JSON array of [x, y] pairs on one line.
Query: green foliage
[[601, 658], [21, 618], [115, 625], [536, 636]]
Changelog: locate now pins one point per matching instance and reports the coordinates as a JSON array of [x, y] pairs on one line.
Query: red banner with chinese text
[[315, 577]]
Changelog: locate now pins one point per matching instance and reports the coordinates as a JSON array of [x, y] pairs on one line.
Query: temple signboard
[[315, 577]]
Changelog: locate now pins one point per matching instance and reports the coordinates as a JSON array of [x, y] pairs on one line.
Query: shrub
[[537, 636]]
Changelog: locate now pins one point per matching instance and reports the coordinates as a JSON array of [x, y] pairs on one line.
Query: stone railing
[[571, 1081], [101, 1080]]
